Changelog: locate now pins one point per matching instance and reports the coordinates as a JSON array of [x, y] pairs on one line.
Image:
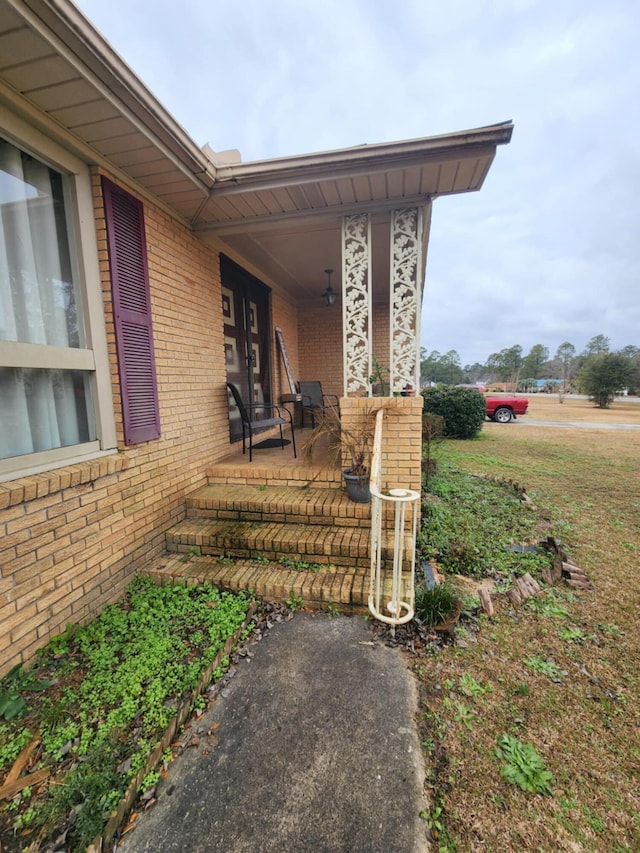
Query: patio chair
[[272, 416], [315, 401]]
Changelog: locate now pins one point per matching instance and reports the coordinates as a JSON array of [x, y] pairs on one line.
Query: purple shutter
[[132, 314]]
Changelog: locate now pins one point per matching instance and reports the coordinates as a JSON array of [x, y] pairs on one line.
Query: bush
[[604, 376], [463, 409], [435, 605]]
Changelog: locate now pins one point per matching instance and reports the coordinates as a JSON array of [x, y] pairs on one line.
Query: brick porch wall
[[402, 437]]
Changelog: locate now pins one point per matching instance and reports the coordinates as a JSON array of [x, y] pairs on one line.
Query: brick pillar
[[401, 437]]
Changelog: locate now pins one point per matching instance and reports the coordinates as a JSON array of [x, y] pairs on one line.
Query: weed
[[332, 610], [299, 565], [523, 766], [548, 605], [470, 687], [259, 558], [12, 687], [469, 524], [294, 602], [194, 551], [463, 714], [149, 781], [545, 667], [137, 660], [572, 634]]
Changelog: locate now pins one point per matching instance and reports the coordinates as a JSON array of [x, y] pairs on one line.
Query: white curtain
[[38, 409]]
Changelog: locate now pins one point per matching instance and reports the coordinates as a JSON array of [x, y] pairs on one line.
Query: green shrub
[[435, 605], [463, 409]]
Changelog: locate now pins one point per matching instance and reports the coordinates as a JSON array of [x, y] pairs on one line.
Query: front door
[[247, 339]]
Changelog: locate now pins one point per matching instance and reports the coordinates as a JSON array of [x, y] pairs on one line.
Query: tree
[[429, 366], [598, 345], [603, 376], [441, 368], [450, 369], [532, 364], [565, 353], [506, 364], [632, 354]]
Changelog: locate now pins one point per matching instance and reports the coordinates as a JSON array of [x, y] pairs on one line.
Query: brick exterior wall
[[72, 539], [285, 317], [321, 356]]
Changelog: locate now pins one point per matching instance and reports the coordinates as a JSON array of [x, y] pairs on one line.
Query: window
[[53, 409]]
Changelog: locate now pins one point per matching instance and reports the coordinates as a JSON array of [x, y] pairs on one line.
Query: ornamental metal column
[[405, 279], [356, 304]]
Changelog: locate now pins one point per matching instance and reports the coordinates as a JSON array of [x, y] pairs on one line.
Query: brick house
[[139, 273]]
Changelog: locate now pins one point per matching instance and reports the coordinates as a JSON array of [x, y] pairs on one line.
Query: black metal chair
[[275, 416], [314, 400]]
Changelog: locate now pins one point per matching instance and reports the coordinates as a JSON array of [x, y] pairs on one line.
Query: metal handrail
[[400, 604]]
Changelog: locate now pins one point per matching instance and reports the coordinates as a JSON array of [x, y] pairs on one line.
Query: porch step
[[278, 503], [347, 589], [269, 474], [272, 540]]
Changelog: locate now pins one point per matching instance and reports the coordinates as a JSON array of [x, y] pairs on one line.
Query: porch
[[281, 526]]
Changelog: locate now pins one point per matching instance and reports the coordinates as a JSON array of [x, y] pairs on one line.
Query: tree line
[[596, 371]]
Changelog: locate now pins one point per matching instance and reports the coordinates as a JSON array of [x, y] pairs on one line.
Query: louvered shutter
[[132, 314]]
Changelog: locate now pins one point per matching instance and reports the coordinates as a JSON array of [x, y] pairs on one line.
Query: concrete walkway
[[311, 746]]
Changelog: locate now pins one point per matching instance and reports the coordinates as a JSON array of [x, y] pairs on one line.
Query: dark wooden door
[[247, 337]]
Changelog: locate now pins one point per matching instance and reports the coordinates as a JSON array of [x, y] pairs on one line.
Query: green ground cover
[[98, 700]]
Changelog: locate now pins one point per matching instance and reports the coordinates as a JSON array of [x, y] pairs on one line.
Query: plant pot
[[357, 487]]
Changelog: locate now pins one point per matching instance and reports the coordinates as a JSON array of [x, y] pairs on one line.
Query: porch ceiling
[[285, 215], [280, 217]]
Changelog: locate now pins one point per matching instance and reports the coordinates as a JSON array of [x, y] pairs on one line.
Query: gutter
[[363, 157]]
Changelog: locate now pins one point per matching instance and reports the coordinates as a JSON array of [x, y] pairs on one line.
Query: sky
[[549, 250]]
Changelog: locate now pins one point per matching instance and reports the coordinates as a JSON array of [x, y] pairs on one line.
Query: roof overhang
[[281, 217]]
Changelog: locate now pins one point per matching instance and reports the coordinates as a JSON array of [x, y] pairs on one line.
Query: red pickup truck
[[505, 408]]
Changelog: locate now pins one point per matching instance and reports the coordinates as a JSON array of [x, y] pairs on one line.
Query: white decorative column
[[356, 304], [406, 275]]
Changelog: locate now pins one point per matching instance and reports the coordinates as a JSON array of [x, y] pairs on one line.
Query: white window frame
[[94, 357]]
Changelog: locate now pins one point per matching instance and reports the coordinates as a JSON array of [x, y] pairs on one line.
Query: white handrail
[[401, 596]]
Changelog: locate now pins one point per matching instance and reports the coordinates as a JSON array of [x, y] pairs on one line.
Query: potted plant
[[353, 443]]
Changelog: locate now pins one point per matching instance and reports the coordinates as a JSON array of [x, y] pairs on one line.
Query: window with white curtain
[[46, 365]]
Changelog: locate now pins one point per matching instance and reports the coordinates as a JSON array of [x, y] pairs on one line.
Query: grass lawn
[[559, 677]]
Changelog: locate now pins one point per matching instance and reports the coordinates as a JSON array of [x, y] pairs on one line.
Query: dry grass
[[587, 727]]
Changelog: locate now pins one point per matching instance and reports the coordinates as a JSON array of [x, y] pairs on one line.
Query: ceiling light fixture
[[329, 294]]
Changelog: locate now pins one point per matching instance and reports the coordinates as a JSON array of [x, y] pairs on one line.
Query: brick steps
[[238, 536], [317, 543], [270, 474], [278, 503], [346, 589]]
